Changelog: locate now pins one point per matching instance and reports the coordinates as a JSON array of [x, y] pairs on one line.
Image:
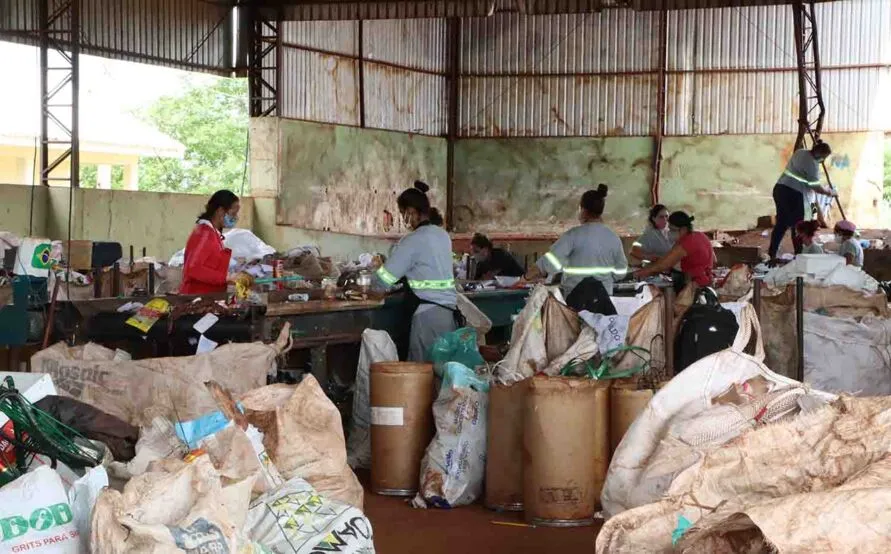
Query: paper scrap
[[205, 323], [205, 345]]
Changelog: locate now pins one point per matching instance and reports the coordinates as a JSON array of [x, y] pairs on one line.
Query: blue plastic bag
[[458, 346], [460, 376]]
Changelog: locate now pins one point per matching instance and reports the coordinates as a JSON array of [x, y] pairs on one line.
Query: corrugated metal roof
[[332, 36], [415, 43], [319, 87], [618, 105], [403, 100], [347, 10], [187, 34], [611, 41]]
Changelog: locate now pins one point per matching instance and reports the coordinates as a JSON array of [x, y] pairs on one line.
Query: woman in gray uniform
[[423, 260], [589, 250], [656, 241]]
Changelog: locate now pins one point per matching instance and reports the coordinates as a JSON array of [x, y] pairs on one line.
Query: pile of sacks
[[222, 463], [731, 457]]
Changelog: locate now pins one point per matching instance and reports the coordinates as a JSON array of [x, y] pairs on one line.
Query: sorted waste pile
[[731, 457], [477, 408], [195, 454]]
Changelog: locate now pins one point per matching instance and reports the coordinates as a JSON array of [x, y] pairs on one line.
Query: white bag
[[36, 517], [82, 497], [377, 346], [245, 244], [295, 519], [690, 393], [611, 329], [454, 465], [844, 355], [186, 509]]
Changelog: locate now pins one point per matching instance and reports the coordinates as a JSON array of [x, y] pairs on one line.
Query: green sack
[[458, 346]]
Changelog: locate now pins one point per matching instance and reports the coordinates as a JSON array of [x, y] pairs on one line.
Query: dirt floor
[[401, 529]]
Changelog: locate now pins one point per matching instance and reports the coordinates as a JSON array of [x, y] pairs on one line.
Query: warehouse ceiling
[[408, 9]]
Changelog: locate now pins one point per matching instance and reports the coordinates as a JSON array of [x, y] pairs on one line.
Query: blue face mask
[[229, 221]]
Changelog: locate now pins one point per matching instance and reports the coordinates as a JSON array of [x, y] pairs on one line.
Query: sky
[[109, 88]]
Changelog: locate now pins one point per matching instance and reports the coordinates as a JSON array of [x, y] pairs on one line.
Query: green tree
[[211, 121]]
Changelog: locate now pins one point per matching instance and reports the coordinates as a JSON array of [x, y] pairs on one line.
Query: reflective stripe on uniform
[[429, 284], [594, 271], [554, 261], [387, 277], [788, 173]]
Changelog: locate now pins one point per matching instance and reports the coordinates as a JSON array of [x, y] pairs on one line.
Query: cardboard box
[[81, 255]]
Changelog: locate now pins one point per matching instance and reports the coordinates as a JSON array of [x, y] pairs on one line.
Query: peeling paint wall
[[334, 245], [727, 181], [346, 180], [532, 186]]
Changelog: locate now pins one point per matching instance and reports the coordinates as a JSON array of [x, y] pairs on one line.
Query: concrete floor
[[401, 529]]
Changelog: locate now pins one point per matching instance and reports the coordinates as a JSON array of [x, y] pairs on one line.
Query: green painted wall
[[727, 181], [532, 186], [15, 209], [344, 179], [160, 222]]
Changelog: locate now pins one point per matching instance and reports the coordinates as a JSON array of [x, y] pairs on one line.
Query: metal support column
[[361, 73], [660, 104], [263, 62], [454, 49], [59, 94], [811, 109]]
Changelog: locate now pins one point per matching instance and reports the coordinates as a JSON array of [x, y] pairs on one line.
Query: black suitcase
[[706, 328]]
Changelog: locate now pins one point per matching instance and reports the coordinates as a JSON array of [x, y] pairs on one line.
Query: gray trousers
[[428, 324]]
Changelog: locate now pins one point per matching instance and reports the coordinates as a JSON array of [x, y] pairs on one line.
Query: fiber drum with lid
[[401, 425], [566, 450], [504, 459], [626, 402]]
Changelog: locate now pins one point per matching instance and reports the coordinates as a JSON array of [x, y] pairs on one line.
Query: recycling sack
[[454, 466], [304, 436], [295, 519], [186, 509], [377, 346], [36, 517]]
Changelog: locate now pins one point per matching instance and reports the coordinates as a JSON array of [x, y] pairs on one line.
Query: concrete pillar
[[131, 176], [26, 171], [103, 176]]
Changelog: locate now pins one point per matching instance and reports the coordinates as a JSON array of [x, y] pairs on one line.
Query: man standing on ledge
[[802, 175]]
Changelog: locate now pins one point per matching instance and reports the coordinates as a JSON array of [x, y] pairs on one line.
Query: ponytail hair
[[594, 201], [221, 199], [416, 197], [681, 220]]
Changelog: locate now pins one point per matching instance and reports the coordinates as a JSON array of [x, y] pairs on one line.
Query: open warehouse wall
[[551, 105]]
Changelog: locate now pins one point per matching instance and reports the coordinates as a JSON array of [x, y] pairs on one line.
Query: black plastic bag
[[119, 436]]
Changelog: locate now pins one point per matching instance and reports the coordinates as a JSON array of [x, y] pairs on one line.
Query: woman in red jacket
[[206, 268], [693, 250]]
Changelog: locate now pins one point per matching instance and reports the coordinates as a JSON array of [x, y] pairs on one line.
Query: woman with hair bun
[[693, 250], [423, 261], [589, 250]]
